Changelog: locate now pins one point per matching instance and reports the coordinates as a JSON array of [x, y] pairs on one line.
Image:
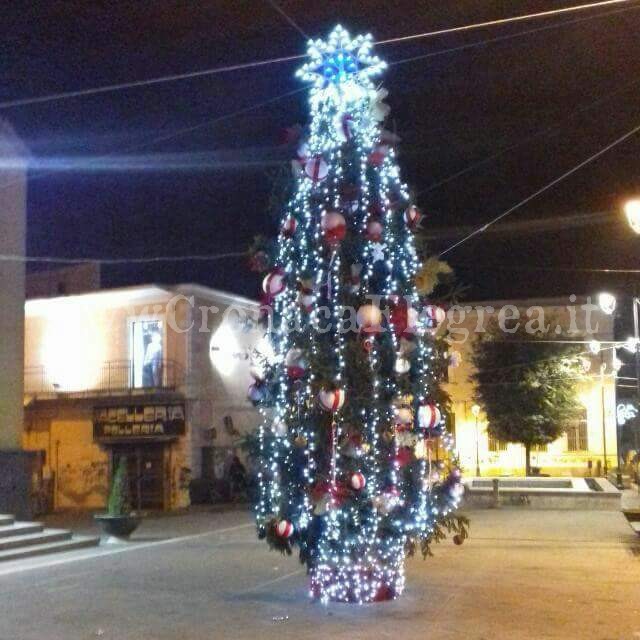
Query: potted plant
[[119, 521]]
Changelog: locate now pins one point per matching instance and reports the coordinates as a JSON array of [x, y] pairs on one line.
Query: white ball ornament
[[369, 318], [358, 481]]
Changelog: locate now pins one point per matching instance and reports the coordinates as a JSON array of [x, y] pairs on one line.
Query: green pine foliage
[[119, 503]]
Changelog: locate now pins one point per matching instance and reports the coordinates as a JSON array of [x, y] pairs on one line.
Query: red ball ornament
[[316, 169], [284, 529], [374, 230], [331, 399], [377, 156], [412, 217], [403, 457], [358, 481], [296, 363], [289, 227], [334, 227], [404, 318], [274, 283]]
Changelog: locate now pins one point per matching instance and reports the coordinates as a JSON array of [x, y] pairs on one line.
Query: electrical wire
[[262, 63], [289, 19], [511, 36], [540, 191], [500, 21], [115, 261]]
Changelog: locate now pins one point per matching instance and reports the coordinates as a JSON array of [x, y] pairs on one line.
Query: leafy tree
[[526, 385]]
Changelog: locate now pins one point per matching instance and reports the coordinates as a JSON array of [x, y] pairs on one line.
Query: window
[[495, 444], [577, 434], [146, 353]]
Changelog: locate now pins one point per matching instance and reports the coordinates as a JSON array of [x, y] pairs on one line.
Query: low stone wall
[[535, 495]]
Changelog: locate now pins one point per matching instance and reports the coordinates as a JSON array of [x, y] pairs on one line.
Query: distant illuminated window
[[147, 353], [577, 433], [496, 445]]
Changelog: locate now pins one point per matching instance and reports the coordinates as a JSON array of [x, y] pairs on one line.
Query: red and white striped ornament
[[316, 169], [289, 227], [274, 283], [334, 227], [429, 416], [368, 343], [358, 481], [374, 230], [284, 529], [412, 217], [331, 399]]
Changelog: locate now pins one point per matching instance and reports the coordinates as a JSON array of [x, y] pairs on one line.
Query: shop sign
[[147, 421]]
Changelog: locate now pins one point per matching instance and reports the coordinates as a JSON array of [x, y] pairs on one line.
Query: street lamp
[[607, 302], [475, 410], [631, 209]]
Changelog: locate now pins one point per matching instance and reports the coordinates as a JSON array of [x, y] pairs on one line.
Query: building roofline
[[138, 292], [522, 302]]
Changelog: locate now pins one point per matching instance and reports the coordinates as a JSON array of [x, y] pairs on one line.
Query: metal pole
[[477, 450], [604, 421], [636, 335]]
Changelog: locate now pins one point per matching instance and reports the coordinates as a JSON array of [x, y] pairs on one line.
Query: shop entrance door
[[146, 478]]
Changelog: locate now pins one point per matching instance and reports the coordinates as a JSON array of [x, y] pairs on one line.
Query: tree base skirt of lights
[[357, 583]]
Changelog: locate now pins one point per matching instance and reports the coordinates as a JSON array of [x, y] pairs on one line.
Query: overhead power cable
[[262, 63], [540, 191], [115, 261]]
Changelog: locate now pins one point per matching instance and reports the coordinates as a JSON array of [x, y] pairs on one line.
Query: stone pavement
[[523, 574]]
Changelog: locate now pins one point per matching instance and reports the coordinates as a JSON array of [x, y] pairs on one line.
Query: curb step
[[42, 537], [70, 544], [6, 520], [20, 528]]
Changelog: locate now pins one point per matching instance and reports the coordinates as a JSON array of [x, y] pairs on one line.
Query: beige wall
[[556, 460], [72, 337]]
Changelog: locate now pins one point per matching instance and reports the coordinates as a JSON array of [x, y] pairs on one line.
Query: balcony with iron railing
[[114, 377]]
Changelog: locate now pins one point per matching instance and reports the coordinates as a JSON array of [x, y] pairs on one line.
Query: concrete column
[[13, 200], [15, 465]]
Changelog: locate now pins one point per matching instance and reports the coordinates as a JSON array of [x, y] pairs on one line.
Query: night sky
[[207, 191]]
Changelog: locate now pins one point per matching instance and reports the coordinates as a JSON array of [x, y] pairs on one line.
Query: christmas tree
[[355, 468]]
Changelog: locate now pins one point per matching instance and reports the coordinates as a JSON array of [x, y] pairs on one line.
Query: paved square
[[523, 574]]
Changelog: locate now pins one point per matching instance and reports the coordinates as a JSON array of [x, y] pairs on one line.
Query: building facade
[[591, 437], [155, 374]]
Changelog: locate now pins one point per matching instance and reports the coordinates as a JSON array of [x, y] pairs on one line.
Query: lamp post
[[475, 410]]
